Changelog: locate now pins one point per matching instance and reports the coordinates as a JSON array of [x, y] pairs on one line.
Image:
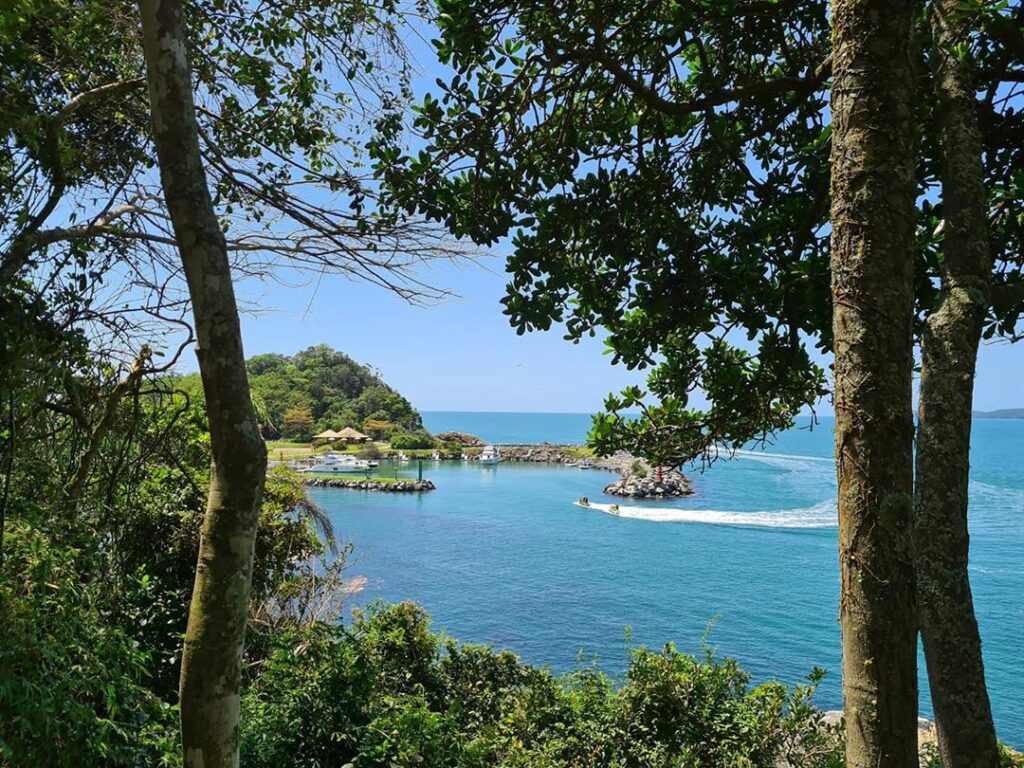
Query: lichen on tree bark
[[872, 290], [949, 351], [212, 655]]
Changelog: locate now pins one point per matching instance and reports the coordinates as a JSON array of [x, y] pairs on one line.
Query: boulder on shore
[[671, 483]]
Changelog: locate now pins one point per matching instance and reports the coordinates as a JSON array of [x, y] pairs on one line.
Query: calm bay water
[[502, 556]]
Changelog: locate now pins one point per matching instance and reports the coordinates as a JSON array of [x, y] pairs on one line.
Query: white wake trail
[[821, 515], [782, 460]]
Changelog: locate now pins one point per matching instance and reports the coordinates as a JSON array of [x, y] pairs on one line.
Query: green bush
[[412, 440], [72, 685], [387, 692], [369, 451]]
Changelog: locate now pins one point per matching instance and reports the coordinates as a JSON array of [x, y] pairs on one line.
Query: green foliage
[[663, 176], [386, 692], [1010, 758], [378, 429], [413, 440], [639, 201], [95, 597], [369, 451], [73, 684], [297, 422]]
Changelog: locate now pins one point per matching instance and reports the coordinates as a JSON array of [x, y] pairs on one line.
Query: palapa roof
[[350, 434], [327, 434]]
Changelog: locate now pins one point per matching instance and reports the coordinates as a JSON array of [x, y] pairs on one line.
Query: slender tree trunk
[[211, 661], [949, 351], [872, 291]]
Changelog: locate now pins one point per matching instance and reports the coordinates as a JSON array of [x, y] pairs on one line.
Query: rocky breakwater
[[567, 455], [387, 486], [649, 485], [544, 453]]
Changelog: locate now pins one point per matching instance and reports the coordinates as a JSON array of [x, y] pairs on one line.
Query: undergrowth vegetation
[[385, 691]]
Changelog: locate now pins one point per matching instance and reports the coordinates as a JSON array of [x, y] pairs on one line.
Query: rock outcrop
[[460, 438], [649, 486]]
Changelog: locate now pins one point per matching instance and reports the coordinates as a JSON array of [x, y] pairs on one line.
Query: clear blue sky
[[463, 355], [458, 355]]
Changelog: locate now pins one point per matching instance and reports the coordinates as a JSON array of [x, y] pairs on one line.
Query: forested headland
[[319, 389]]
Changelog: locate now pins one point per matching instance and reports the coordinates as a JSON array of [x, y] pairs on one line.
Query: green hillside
[[320, 388]]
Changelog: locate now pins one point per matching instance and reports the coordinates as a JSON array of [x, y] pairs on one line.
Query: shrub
[[412, 440], [387, 692], [368, 451], [72, 684]]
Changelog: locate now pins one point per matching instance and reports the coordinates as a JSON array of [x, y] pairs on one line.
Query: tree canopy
[[663, 172]]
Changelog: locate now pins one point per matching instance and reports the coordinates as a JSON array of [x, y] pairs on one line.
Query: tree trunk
[[949, 351], [873, 219], [211, 661]]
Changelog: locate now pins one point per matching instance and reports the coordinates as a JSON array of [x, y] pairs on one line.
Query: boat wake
[[789, 461], [821, 515]]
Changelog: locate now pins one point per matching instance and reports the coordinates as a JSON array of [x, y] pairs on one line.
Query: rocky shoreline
[[566, 455], [649, 485], [389, 486], [639, 479]]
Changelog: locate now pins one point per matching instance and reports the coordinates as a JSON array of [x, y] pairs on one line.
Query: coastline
[[637, 478]]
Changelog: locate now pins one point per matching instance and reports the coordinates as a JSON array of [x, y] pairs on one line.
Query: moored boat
[[332, 463]]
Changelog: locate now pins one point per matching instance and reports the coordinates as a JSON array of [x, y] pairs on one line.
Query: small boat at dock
[[332, 463], [490, 455]]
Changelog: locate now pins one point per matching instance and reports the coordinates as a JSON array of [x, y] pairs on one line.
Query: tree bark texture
[[873, 219], [211, 661], [949, 352]]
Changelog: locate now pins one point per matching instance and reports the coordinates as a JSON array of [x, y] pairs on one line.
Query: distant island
[[1004, 413]]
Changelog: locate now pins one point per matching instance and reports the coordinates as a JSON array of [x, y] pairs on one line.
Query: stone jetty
[[387, 486], [568, 455]]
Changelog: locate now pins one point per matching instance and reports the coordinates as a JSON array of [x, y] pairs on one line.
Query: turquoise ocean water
[[502, 556]]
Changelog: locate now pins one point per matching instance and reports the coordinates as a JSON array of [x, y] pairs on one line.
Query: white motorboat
[[332, 463], [490, 455]]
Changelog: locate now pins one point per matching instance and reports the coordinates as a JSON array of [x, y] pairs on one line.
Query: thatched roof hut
[[350, 435], [327, 436]]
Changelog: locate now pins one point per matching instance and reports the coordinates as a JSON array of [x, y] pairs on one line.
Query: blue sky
[[462, 355]]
